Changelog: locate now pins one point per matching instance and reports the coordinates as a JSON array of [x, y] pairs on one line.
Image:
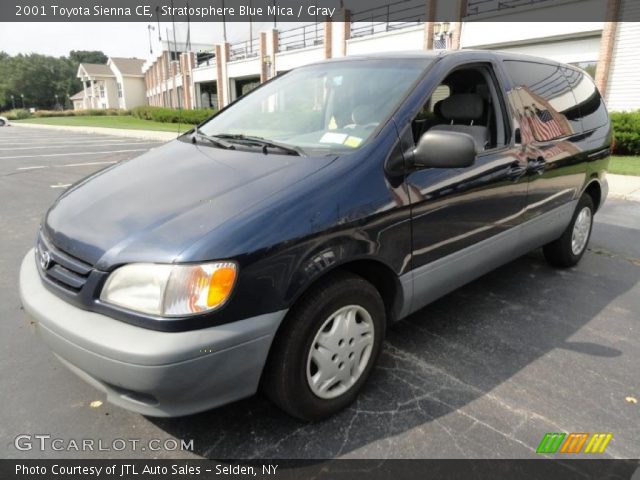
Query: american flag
[[544, 125], [442, 41]]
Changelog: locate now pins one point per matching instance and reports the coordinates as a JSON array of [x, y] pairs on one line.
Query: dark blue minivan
[[272, 245]]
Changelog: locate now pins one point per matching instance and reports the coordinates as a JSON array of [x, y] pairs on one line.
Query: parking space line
[[39, 167], [86, 163], [71, 146], [75, 153]]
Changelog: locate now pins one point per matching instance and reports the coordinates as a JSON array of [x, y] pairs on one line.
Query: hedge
[[626, 130], [172, 115], [157, 114], [19, 114], [16, 114]]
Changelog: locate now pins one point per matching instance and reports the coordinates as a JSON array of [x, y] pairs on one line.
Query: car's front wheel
[[567, 250], [327, 347]]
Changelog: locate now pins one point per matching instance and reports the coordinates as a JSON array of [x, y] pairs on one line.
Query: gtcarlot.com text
[[45, 442]]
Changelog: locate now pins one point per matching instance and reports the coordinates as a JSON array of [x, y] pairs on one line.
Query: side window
[[441, 92], [547, 107], [427, 117], [466, 101], [591, 110]]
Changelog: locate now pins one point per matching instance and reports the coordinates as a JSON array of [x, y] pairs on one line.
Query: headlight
[[170, 290]]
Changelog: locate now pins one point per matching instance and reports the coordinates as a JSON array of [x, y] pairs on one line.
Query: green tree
[[88, 56], [42, 79], [36, 78]]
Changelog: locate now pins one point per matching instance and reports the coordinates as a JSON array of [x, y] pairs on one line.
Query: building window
[[101, 91], [119, 90]]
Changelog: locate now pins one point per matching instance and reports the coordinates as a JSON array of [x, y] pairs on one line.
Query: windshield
[[335, 106]]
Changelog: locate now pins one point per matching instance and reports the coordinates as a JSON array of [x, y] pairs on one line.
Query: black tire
[[559, 253], [2, 122], [285, 375]]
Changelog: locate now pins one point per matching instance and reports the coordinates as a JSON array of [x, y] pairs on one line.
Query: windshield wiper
[[217, 142], [263, 142]]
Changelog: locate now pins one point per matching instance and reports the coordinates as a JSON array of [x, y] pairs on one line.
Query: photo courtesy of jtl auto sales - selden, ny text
[[320, 239]]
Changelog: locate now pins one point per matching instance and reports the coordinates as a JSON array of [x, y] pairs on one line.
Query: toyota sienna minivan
[[273, 244]]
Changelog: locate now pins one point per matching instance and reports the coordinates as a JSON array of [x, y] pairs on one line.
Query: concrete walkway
[[118, 132], [626, 187]]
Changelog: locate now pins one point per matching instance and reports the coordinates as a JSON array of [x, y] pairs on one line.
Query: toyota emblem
[[45, 259]]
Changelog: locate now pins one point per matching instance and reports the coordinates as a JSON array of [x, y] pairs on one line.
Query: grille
[[61, 268]]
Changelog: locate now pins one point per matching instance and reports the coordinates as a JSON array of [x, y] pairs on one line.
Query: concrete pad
[[626, 187]]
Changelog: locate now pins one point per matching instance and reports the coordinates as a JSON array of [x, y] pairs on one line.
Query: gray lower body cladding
[[147, 371]]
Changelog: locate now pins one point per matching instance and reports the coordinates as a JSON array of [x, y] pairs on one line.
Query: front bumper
[[151, 372]]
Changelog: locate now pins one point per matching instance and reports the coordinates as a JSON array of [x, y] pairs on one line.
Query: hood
[[153, 207]]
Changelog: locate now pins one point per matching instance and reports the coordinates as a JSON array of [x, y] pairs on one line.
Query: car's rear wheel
[[567, 250], [2, 122], [327, 347]]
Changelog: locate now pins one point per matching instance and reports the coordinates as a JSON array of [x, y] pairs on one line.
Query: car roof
[[427, 54]]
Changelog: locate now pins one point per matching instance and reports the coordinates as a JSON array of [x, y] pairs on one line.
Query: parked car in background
[[4, 122], [274, 244]]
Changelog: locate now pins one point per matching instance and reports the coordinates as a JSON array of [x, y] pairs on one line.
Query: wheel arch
[[376, 272], [594, 190]]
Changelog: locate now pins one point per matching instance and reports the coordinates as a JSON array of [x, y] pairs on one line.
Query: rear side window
[[546, 107], [591, 109]]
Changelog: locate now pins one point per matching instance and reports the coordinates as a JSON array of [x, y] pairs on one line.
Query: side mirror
[[444, 149]]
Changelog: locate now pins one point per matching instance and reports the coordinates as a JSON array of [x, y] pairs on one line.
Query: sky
[[114, 39]]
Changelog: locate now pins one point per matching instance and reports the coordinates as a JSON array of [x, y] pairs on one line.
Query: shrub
[[20, 114], [171, 115], [626, 130], [16, 114]]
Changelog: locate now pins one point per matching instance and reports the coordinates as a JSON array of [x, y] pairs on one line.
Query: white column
[[340, 33]]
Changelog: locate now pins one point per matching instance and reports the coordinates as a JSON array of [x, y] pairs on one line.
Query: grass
[[108, 121], [625, 165]]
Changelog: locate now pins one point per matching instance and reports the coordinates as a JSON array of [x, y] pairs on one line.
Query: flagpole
[[224, 24]]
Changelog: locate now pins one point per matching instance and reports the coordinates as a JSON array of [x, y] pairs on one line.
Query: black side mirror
[[443, 149]]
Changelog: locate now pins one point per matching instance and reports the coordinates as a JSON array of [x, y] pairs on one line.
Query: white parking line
[[72, 140], [72, 146], [75, 153], [60, 185], [86, 163], [68, 165]]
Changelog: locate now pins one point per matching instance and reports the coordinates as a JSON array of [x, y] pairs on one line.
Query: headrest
[[437, 108], [463, 107]]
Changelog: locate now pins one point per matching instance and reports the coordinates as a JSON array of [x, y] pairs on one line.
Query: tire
[[294, 380], [567, 250], [2, 122]]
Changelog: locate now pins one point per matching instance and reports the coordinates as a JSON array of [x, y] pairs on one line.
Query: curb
[[624, 187], [117, 132], [635, 197]]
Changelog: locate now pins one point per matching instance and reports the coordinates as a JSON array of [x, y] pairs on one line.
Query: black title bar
[[279, 11], [548, 469]]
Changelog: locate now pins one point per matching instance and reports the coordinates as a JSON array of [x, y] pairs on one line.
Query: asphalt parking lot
[[484, 372]]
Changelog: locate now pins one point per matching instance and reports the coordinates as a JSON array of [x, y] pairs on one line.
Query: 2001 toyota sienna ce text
[[273, 244]]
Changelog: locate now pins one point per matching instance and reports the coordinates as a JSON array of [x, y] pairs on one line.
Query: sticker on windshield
[[353, 142], [331, 137]]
